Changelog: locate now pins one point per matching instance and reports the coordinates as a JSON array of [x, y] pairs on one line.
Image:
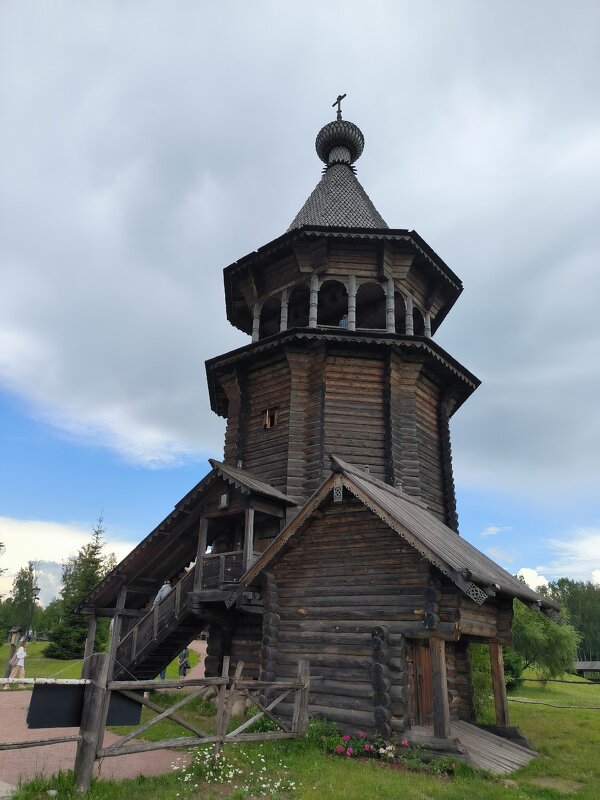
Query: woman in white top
[[18, 671]]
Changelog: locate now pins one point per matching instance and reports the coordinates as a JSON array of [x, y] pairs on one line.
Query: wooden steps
[[485, 750]]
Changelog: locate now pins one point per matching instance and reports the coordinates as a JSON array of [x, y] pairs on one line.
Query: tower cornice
[[463, 382]]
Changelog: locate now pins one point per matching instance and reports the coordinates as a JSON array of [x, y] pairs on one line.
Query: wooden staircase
[[156, 639]]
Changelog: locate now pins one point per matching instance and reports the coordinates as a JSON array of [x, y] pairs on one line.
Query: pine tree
[[79, 576], [24, 608]]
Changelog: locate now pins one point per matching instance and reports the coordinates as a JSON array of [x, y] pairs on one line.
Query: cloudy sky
[[146, 145]]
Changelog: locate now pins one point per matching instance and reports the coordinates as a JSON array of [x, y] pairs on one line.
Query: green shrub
[[514, 664], [481, 681]]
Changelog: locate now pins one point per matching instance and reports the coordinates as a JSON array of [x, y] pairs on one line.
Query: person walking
[[18, 662], [183, 661]]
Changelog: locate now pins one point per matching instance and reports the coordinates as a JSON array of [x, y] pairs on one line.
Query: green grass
[[38, 665], [568, 741], [198, 712]]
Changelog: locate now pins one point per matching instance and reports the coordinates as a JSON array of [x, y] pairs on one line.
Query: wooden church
[[329, 531]]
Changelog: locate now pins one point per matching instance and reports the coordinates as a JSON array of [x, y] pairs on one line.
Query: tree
[[24, 608], [582, 600], [79, 576], [543, 644]]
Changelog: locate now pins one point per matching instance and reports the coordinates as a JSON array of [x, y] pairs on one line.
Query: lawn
[[568, 741], [38, 666]]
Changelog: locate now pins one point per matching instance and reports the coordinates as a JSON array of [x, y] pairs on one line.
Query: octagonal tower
[[341, 310]]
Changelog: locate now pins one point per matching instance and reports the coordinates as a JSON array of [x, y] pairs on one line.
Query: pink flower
[[404, 742], [361, 734], [339, 749], [345, 738], [367, 747], [349, 751]]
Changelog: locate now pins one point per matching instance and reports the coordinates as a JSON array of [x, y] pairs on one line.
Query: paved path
[[16, 765]]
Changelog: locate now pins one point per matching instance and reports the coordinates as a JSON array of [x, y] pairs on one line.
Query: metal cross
[[338, 103]]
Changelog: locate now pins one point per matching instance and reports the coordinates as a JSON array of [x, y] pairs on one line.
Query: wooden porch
[[476, 746]]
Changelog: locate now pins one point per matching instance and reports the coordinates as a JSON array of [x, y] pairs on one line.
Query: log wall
[[347, 575], [264, 452], [458, 670], [354, 411]]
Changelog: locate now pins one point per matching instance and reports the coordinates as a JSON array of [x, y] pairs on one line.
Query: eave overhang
[[465, 381], [468, 568], [283, 245]]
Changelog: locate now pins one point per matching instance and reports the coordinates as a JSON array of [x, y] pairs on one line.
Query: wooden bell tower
[[341, 310]]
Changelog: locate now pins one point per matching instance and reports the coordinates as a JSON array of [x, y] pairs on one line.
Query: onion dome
[[339, 200], [339, 142]]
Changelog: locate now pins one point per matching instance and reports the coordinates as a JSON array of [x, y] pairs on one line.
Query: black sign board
[[59, 705]]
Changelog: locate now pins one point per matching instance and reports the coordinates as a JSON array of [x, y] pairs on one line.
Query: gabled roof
[[247, 482], [472, 571], [168, 548], [339, 200]]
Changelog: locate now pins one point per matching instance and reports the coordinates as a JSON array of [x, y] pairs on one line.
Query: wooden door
[[423, 687]]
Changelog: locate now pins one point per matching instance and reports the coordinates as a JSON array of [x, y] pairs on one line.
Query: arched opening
[[298, 307], [333, 303], [270, 317], [400, 312], [418, 322], [370, 306]]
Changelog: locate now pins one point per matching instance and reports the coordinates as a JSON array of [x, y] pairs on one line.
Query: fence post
[[221, 695], [300, 715], [91, 719]]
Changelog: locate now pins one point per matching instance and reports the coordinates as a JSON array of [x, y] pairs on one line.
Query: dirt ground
[[22, 765]]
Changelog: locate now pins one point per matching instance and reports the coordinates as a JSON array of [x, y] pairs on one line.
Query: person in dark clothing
[[184, 663]]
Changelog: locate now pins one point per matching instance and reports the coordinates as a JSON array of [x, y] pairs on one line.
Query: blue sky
[[146, 146]]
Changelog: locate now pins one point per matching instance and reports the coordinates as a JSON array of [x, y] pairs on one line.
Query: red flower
[[339, 749], [346, 738], [368, 747], [404, 742]]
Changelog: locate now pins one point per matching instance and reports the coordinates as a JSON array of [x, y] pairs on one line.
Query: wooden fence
[[90, 740]]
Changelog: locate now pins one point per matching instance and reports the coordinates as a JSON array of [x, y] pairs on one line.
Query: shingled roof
[[339, 200], [472, 571]]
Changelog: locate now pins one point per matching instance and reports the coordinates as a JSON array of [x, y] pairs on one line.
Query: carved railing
[[218, 568], [150, 628]]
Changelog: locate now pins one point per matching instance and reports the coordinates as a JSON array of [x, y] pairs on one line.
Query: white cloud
[[577, 555], [532, 577], [500, 555], [48, 544], [494, 530], [158, 145]]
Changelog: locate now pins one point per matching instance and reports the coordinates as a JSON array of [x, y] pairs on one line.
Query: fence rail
[[98, 689]]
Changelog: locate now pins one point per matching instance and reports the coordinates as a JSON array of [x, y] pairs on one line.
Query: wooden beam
[[89, 645], [202, 535], [93, 721], [248, 539], [499, 686], [300, 713], [110, 612], [441, 710]]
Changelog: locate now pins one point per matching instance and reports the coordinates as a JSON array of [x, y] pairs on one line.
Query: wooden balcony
[[220, 569]]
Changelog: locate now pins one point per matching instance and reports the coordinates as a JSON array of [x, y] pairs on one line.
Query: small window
[[270, 418]]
